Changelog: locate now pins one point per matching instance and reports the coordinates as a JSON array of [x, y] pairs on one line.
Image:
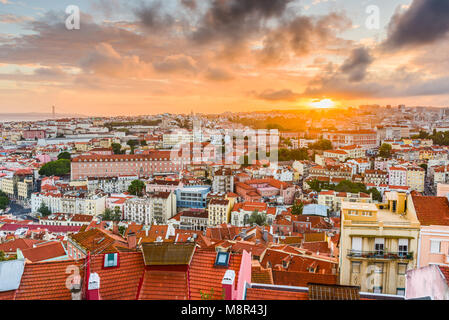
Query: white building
[[138, 210], [397, 176]]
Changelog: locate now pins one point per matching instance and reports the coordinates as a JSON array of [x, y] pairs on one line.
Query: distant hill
[[34, 116]]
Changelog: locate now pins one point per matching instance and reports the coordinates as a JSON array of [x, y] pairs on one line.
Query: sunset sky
[[210, 56]]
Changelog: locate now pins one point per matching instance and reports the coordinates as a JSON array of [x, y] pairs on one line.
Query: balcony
[[384, 255]]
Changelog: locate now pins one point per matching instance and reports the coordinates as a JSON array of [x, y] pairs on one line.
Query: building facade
[[378, 244]]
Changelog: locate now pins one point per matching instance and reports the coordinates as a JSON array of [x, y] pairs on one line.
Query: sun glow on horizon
[[323, 104]]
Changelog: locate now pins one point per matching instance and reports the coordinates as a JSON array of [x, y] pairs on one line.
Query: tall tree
[[137, 188], [258, 218], [132, 144], [56, 168], [44, 210], [297, 208], [385, 150], [64, 155], [116, 148]]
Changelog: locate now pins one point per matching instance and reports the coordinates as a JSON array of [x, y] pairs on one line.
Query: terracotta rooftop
[[301, 279], [120, 283], [431, 210], [46, 251], [46, 281]]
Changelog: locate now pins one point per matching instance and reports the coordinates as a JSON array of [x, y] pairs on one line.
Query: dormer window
[[222, 259], [110, 260]]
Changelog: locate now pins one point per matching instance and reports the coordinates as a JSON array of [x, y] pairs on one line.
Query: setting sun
[[323, 104]]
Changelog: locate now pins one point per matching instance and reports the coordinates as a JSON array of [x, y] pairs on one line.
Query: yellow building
[[416, 178], [24, 189], [219, 211], [378, 244], [7, 186]]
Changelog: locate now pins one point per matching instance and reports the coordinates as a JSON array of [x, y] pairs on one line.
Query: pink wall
[[43, 158], [244, 274], [426, 281], [442, 190], [436, 233]]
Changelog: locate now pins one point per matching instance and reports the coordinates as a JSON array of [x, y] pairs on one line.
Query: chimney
[[132, 240], [115, 228], [93, 287], [75, 288], [228, 284]]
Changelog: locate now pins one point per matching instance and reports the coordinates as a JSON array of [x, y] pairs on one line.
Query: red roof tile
[[119, 283], [431, 210], [46, 281], [164, 285], [204, 276]]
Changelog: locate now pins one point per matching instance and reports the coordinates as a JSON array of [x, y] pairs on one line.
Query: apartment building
[[138, 210], [84, 167], [416, 178], [354, 151], [192, 197], [333, 199], [163, 206], [433, 215], [366, 139], [241, 212], [111, 184], [397, 176], [223, 181], [219, 211], [376, 177], [378, 244], [194, 219], [70, 202]]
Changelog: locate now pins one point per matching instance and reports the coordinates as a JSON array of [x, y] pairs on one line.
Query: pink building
[[126, 164], [34, 134], [255, 189], [164, 186], [433, 215], [442, 190], [364, 138], [428, 282]]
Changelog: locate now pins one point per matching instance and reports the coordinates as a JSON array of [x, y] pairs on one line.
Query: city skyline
[[150, 57]]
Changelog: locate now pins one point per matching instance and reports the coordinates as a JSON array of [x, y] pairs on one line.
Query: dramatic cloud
[[424, 22], [218, 74], [176, 63], [235, 20], [356, 65], [50, 43], [281, 95], [153, 17], [302, 35], [50, 73], [105, 60]]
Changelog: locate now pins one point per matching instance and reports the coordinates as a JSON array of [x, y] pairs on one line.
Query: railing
[[380, 255]]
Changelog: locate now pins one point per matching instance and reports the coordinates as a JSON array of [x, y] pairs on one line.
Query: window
[[377, 289], [110, 260], [435, 246], [402, 268], [356, 244], [403, 247], [400, 292], [222, 259], [356, 267], [379, 245]]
